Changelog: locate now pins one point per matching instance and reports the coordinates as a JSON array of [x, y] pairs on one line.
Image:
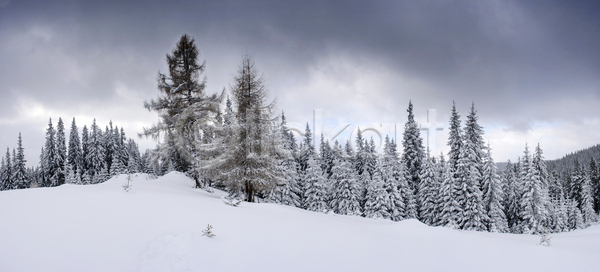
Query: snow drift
[[157, 226]]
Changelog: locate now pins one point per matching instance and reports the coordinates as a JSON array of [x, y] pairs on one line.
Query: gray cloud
[[521, 62]]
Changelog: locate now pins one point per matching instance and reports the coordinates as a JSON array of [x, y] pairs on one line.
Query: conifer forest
[[238, 141]]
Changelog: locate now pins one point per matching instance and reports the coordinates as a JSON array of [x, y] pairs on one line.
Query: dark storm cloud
[[520, 61]]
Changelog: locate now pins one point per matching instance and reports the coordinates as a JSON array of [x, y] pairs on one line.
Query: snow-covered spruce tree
[[493, 196], [19, 171], [307, 149], [575, 182], [534, 203], [587, 205], [337, 150], [74, 154], [4, 178], [71, 177], [183, 107], [560, 216], [512, 203], [85, 152], [363, 181], [134, 160], [411, 209], [327, 157], [345, 191], [450, 208], [120, 146], [473, 135], [468, 194], [595, 183], [359, 158], [96, 155], [61, 152], [316, 190], [390, 171], [49, 158], [117, 166], [289, 141], [371, 158], [377, 199], [468, 177], [455, 140], [575, 218], [288, 190], [108, 144], [427, 194], [413, 153], [249, 163], [440, 168]]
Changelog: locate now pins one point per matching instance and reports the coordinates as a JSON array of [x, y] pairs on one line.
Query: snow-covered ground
[[157, 226]]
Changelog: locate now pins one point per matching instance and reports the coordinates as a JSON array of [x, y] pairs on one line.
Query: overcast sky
[[532, 68]]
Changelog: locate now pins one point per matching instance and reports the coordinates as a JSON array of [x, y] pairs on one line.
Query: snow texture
[[157, 226]]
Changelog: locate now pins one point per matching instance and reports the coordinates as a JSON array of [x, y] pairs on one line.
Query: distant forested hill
[[567, 162]]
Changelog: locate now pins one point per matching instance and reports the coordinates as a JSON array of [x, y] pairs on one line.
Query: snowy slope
[[157, 226]]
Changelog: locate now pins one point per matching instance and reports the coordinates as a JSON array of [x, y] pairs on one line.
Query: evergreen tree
[[468, 194], [513, 197], [595, 183], [85, 151], [468, 176], [455, 141], [289, 190], [363, 181], [327, 157], [316, 190], [7, 175], [575, 182], [108, 143], [359, 158], [19, 171], [493, 196], [473, 139], [61, 152], [575, 218], [560, 215], [440, 168], [390, 174], [4, 185], [413, 154], [587, 198], [74, 154], [307, 149], [450, 208], [534, 202], [71, 177], [96, 153], [377, 199], [345, 190], [289, 142], [427, 194], [134, 163], [371, 157], [49, 157], [117, 166]]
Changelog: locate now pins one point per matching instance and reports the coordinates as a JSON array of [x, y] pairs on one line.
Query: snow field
[[157, 226]]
